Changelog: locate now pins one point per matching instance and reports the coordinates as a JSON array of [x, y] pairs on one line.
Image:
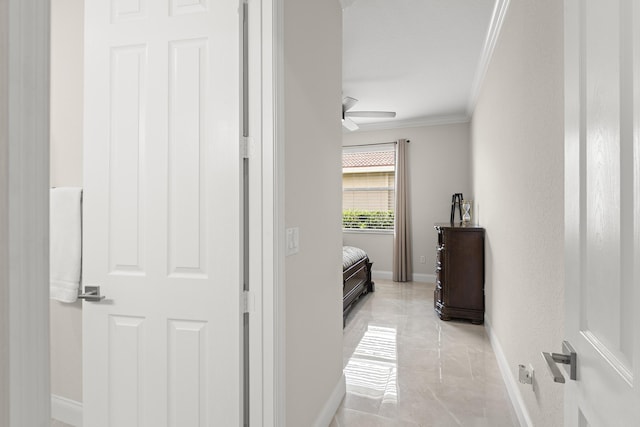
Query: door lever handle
[[567, 357], [91, 293]]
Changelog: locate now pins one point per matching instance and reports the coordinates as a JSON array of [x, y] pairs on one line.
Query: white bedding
[[351, 255]]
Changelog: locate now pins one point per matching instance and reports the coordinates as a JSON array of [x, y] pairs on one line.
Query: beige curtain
[[402, 269]]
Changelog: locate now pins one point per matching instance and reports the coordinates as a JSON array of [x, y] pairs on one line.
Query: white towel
[[65, 237]]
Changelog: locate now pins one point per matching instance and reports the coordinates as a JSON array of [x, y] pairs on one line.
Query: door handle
[[567, 357], [91, 293]]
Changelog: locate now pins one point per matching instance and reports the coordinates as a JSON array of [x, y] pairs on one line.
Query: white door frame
[[24, 219], [266, 155]]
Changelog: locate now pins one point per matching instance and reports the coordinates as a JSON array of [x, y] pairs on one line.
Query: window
[[368, 193]]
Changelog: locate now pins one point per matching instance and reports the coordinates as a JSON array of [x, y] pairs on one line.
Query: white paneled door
[[602, 225], [162, 211]]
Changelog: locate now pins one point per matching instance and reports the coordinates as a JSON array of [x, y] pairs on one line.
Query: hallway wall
[[518, 181], [313, 201]]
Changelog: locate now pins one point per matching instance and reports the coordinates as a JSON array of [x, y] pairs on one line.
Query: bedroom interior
[[468, 144]]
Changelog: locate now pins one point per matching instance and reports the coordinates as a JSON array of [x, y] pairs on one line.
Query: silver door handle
[[91, 293], [568, 357]]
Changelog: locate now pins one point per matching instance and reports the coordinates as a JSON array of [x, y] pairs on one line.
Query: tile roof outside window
[[368, 159], [368, 189]]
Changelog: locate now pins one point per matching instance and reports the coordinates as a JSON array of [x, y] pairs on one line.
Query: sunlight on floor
[[405, 367]]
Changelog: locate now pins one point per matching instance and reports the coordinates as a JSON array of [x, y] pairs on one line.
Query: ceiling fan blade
[[371, 114], [349, 124], [348, 103]]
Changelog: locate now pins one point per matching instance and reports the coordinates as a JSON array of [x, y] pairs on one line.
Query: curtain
[[402, 269]]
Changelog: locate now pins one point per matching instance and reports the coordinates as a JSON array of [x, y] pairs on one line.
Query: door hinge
[[247, 302], [245, 147]]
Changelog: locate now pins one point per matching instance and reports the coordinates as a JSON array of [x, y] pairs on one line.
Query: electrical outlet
[[525, 375], [423, 259]]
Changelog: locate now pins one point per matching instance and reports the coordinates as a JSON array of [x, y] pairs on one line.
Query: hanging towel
[[65, 237]]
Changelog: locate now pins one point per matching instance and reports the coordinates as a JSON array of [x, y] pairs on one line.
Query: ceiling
[[419, 58]]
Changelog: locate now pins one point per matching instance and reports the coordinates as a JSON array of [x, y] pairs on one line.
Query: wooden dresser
[[459, 289]]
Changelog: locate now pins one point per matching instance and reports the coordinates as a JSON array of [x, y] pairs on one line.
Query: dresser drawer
[[440, 254], [439, 274], [437, 294]]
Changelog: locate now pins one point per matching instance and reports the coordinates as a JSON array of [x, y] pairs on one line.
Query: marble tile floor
[[405, 367]]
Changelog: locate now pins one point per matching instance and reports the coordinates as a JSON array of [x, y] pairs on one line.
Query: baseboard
[[70, 412], [66, 410], [509, 380], [388, 275], [424, 278], [381, 275], [332, 404]]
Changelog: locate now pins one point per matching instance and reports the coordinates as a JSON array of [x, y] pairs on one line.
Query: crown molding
[[412, 123], [497, 19]]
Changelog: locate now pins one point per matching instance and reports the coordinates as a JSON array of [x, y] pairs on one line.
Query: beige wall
[[5, 331], [439, 165], [517, 145], [313, 64], [66, 170], [24, 220]]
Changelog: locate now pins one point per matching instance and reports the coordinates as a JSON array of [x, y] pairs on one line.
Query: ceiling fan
[[348, 103]]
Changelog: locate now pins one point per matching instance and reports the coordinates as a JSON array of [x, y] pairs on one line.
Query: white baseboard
[[70, 412], [66, 410], [388, 275], [333, 403], [424, 278], [381, 275], [512, 386]]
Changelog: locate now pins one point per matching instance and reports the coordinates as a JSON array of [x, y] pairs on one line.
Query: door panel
[[602, 205], [187, 117], [126, 142], [162, 211], [126, 366], [188, 353]]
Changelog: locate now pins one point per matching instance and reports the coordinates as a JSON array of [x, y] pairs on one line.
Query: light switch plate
[[292, 241]]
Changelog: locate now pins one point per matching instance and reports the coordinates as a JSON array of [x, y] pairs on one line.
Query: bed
[[356, 277]]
